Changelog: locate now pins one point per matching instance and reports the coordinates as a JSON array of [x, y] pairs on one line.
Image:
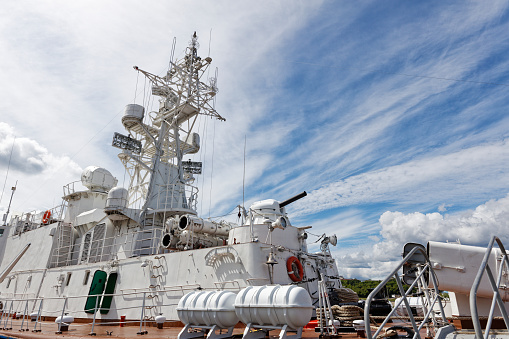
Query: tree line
[[363, 288]]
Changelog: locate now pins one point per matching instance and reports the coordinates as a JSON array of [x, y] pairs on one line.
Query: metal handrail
[[421, 283], [108, 249], [494, 285]]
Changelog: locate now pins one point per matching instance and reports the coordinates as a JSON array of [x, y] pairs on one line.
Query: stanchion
[[37, 319], [61, 318], [8, 316], [23, 321], [142, 316], [95, 312]]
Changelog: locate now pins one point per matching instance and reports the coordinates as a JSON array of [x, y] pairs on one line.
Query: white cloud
[[74, 61], [377, 259], [34, 168], [67, 74], [471, 171]]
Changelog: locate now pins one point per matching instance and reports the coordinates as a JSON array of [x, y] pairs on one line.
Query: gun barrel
[[292, 199]]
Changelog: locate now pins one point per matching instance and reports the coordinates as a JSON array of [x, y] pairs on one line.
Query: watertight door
[[96, 290], [110, 289]]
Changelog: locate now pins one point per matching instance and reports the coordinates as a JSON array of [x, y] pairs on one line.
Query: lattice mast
[[158, 175]]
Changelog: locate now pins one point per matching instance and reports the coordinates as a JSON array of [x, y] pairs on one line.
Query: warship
[[129, 253]]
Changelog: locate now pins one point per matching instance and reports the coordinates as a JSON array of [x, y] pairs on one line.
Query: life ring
[[46, 216], [294, 268]]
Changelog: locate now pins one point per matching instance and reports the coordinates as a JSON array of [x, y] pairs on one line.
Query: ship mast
[[158, 174]]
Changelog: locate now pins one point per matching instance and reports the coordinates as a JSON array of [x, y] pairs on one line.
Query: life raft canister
[[294, 268], [46, 216]]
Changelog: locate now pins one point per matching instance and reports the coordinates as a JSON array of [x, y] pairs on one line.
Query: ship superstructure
[[134, 252]]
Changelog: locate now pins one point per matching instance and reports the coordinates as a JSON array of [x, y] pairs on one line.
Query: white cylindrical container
[[197, 239], [168, 241], [456, 267], [208, 308], [98, 179], [134, 111], [199, 225], [274, 305], [117, 198]]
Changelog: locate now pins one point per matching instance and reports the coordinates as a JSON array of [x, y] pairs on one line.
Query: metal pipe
[[142, 313], [292, 199], [62, 317], [475, 286], [13, 263], [95, 312], [8, 316], [24, 313], [38, 315]]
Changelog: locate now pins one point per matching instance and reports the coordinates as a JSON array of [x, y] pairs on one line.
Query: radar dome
[[98, 179], [117, 198]]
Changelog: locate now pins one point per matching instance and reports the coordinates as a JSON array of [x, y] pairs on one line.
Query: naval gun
[[292, 199]]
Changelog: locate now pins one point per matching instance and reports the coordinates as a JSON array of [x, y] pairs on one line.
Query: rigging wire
[[406, 74], [233, 211], [75, 154], [244, 175], [213, 142], [210, 39], [8, 167], [212, 165], [136, 88], [204, 153]]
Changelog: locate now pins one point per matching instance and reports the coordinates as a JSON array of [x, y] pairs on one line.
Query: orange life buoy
[[46, 216], [294, 268]]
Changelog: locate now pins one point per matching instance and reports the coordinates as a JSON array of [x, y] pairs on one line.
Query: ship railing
[[32, 220], [421, 273], [136, 244], [496, 286], [182, 288], [42, 307], [70, 188]]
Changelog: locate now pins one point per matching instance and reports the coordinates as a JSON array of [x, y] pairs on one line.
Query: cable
[[212, 165], [408, 75], [8, 167]]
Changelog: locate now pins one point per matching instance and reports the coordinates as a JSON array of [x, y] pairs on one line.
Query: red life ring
[[294, 268], [46, 216]]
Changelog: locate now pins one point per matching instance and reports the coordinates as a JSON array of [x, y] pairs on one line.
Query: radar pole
[[10, 201]]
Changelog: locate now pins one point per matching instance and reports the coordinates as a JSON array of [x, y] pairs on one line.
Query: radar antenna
[[158, 175]]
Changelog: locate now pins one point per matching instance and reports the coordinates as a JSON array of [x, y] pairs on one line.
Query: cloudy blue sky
[[392, 115]]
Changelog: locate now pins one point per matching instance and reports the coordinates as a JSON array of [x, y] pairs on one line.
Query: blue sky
[[392, 115]]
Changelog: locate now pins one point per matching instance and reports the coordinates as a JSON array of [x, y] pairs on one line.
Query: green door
[[110, 289], [95, 292]]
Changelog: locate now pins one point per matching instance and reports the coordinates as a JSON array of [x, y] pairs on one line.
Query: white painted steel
[[456, 267], [98, 232], [8, 269], [98, 179], [134, 111], [160, 319], [117, 198], [66, 319], [199, 225], [274, 305], [208, 308]]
